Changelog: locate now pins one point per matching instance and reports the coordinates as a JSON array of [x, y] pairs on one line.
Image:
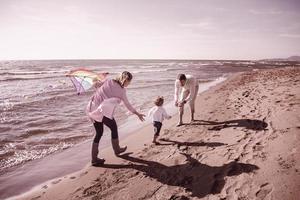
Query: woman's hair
[[159, 101], [124, 76]]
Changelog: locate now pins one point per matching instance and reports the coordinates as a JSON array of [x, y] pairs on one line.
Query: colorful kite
[[84, 79]]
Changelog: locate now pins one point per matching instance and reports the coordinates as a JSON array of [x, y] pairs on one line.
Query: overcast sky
[[149, 29]]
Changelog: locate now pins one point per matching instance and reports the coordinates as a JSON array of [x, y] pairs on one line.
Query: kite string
[[81, 84]]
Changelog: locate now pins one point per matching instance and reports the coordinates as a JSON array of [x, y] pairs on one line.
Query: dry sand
[[244, 145]]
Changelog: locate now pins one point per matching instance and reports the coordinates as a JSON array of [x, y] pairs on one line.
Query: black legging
[[110, 123]]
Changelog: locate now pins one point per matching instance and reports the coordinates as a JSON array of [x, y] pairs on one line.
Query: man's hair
[[181, 77], [159, 101]]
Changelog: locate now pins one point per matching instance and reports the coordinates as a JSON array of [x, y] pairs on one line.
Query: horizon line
[[174, 59]]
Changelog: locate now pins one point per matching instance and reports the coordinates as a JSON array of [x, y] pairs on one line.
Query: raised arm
[[127, 103], [130, 108]]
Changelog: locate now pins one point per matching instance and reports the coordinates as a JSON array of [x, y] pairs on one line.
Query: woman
[[110, 88]]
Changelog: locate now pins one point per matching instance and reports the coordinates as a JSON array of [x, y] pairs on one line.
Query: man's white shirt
[[158, 114], [190, 85]]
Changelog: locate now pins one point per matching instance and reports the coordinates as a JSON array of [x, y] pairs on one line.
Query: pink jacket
[[107, 108], [109, 89]]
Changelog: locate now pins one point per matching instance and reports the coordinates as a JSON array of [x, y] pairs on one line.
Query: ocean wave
[[150, 86], [6, 154], [167, 82], [6, 105], [149, 70], [148, 67], [31, 75], [43, 131], [149, 81], [26, 78], [174, 69], [44, 121], [34, 72], [41, 97], [34, 132], [245, 63], [13, 154], [4, 129], [71, 139], [21, 156]]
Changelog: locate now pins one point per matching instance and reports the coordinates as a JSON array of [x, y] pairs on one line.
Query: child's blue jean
[[157, 127]]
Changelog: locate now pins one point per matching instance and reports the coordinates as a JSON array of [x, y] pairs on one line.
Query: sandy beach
[[243, 145]]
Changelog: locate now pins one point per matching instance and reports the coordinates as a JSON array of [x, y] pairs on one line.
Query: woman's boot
[[116, 147], [95, 160]]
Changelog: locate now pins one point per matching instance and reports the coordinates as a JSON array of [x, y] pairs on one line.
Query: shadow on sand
[[200, 179], [252, 124], [193, 144]]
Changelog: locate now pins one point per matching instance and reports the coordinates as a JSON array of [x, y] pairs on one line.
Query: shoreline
[[127, 131]]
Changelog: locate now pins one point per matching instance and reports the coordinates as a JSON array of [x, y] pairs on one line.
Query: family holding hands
[[110, 92]]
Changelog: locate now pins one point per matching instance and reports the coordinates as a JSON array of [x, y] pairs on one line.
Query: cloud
[[288, 35], [220, 9], [265, 12], [205, 25]]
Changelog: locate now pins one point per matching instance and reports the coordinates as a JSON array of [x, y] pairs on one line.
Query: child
[[158, 114]]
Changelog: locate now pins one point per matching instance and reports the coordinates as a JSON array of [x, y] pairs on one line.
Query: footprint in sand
[[72, 177], [34, 198], [78, 189], [262, 155], [246, 94], [216, 135], [45, 187], [145, 149], [166, 131], [175, 197], [258, 147], [56, 181], [182, 148], [264, 192], [84, 173], [287, 163]]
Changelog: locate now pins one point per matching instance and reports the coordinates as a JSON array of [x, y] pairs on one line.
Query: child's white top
[[158, 114]]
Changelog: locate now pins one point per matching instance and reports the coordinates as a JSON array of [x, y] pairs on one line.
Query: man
[[189, 89]]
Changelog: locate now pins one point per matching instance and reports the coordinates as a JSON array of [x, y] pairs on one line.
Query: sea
[[43, 120]]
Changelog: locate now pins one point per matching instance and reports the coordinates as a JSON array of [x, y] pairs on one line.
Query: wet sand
[[244, 145]]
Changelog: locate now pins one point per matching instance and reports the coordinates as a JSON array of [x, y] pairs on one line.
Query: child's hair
[[159, 101]]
